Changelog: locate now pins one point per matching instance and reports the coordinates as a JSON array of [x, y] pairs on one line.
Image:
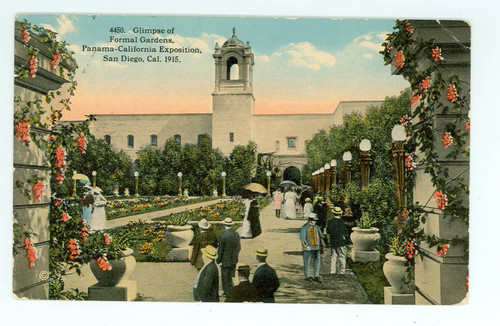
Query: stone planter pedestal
[[114, 285], [179, 237], [399, 292], [364, 242]]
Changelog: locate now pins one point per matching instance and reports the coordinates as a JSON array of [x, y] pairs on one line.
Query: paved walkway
[[173, 281], [148, 217]]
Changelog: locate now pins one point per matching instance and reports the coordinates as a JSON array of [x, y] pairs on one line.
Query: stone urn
[[120, 271], [179, 236], [395, 272], [365, 239]]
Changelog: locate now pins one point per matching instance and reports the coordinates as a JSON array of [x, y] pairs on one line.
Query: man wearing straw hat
[[310, 239], [265, 278], [227, 254], [338, 237], [205, 238], [244, 291], [206, 287]]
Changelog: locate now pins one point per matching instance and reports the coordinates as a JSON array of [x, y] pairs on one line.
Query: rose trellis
[[34, 122], [421, 63]]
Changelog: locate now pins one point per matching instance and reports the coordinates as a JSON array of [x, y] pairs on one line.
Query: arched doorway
[[292, 173]]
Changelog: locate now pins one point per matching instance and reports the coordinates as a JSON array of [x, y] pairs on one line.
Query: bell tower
[[232, 98]]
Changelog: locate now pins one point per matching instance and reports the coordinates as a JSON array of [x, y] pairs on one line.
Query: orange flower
[[105, 239], [73, 248], [30, 253], [65, 216], [411, 249], [55, 60], [102, 263], [451, 93], [399, 59], [410, 165], [447, 140], [22, 129], [415, 98], [81, 143], [441, 249], [436, 54], [37, 191], [467, 126], [408, 28], [425, 83], [26, 37], [441, 199]]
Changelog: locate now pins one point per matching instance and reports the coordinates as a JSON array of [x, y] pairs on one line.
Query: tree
[[240, 167]]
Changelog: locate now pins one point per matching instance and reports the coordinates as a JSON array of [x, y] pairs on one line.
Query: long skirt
[[290, 208], [98, 219]]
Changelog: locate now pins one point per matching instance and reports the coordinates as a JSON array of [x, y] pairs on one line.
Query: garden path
[[148, 217], [173, 281]]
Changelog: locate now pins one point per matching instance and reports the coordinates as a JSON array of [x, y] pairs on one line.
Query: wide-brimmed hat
[[209, 251], [228, 221], [243, 267], [260, 251], [87, 187], [307, 199], [337, 211], [203, 224], [97, 190], [313, 216]]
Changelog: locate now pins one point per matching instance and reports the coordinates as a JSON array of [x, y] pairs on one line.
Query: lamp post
[[136, 175], [398, 158], [333, 172], [179, 180], [327, 176], [364, 162], [346, 168], [223, 175], [94, 175], [74, 185], [321, 179], [268, 174]]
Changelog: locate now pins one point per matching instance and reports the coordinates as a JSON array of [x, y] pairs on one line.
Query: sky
[[304, 65]]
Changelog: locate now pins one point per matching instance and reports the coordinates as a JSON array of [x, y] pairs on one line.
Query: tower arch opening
[[233, 69]]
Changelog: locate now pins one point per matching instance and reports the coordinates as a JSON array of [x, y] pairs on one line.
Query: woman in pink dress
[[278, 198]]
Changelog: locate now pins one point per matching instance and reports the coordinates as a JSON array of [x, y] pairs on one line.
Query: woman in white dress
[[99, 211], [290, 198], [246, 231]]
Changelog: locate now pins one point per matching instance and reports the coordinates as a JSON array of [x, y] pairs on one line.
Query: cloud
[[65, 25], [305, 55], [382, 35], [363, 37], [114, 65], [263, 58], [368, 56]]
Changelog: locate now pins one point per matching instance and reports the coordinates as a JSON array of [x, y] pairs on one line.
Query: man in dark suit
[[206, 287], [265, 278], [245, 291], [205, 238], [320, 208], [227, 254]]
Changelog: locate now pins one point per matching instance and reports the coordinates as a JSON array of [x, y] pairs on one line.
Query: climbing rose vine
[[441, 199], [81, 143], [22, 130], [37, 191], [30, 253]]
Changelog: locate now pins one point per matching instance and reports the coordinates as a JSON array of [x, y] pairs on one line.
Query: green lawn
[[372, 278]]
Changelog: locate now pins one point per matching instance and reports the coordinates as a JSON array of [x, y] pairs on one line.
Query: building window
[[231, 136], [291, 141], [277, 146], [154, 140], [130, 141], [200, 137], [177, 138], [107, 139]]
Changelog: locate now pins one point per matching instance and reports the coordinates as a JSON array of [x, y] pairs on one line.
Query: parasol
[[256, 187], [79, 176], [288, 183]]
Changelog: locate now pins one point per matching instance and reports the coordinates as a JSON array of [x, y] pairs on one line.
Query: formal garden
[[367, 166]]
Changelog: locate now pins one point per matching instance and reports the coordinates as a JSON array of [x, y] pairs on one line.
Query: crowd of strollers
[[211, 254]]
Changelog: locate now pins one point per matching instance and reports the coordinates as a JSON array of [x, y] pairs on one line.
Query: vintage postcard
[[241, 159]]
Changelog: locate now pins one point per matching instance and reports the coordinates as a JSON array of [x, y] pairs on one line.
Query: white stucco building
[[233, 120]]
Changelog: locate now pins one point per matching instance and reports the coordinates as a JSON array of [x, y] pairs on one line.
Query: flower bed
[[133, 206], [218, 212]]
